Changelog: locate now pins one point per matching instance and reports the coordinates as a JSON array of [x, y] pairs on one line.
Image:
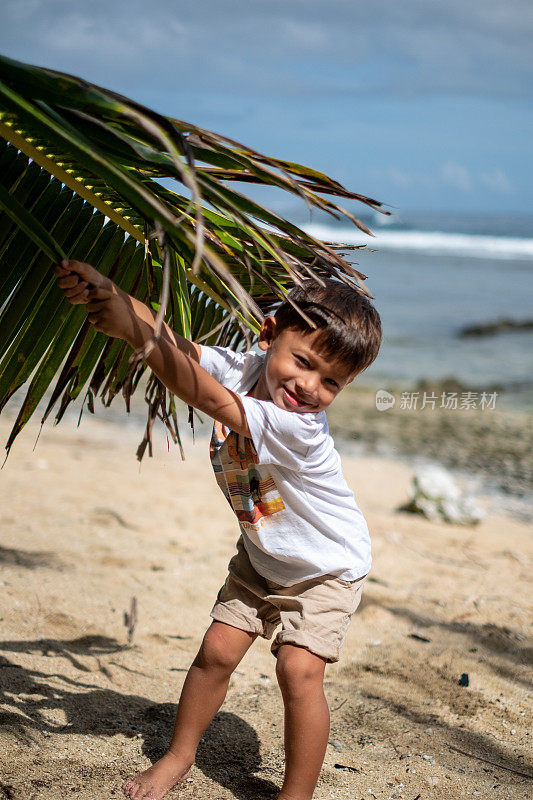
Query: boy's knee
[[216, 653], [297, 669]]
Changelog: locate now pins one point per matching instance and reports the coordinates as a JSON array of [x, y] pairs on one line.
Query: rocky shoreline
[[494, 443], [501, 325]]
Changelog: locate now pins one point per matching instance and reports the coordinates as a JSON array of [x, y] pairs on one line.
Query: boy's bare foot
[[157, 780]]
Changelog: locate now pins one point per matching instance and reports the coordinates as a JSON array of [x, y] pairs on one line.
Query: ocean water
[[431, 276]]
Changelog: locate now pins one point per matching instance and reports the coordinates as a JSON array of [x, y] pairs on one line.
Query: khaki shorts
[[314, 614]]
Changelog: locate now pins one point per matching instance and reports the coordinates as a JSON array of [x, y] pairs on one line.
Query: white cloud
[[306, 34], [497, 181], [79, 33], [401, 178], [481, 47], [451, 174], [457, 176]]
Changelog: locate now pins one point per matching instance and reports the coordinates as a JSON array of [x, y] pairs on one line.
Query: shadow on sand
[[228, 754], [29, 559]]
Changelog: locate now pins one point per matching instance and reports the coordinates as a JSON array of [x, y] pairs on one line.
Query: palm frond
[[80, 175]]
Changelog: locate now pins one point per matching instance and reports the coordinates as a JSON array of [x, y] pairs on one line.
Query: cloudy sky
[[424, 104]]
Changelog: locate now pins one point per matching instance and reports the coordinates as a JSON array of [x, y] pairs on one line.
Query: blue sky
[[423, 104]]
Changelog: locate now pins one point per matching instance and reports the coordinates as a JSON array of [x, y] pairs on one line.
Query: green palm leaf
[[80, 176]]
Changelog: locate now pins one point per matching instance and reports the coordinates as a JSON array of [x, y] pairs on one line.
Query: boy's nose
[[307, 389]]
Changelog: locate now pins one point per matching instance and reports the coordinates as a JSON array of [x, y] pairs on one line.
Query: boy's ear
[[268, 333]]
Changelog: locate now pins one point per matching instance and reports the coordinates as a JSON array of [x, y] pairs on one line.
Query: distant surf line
[[431, 242]]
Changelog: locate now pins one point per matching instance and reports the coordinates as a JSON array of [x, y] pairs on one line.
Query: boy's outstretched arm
[[174, 359]]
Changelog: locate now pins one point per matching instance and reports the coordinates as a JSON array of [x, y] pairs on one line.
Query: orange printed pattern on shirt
[[249, 487]]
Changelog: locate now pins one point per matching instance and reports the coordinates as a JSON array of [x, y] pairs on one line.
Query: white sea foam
[[431, 242]]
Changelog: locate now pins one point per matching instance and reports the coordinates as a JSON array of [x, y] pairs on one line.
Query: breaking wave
[[431, 242]]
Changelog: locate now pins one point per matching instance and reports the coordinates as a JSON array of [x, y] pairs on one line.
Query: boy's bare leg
[[202, 695], [300, 675]]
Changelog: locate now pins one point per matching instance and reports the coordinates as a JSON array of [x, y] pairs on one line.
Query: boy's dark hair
[[349, 325]]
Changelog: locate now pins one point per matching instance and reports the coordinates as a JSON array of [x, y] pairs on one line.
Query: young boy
[[304, 549]]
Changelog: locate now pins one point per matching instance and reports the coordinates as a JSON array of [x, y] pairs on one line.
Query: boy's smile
[[296, 376]]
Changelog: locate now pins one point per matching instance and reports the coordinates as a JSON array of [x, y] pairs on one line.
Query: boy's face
[[297, 377]]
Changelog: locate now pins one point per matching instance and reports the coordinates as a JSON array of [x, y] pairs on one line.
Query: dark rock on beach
[[497, 326]]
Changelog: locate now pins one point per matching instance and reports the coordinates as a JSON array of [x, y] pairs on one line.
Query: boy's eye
[[303, 361], [332, 383]]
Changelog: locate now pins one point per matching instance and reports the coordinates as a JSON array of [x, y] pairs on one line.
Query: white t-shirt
[[297, 515]]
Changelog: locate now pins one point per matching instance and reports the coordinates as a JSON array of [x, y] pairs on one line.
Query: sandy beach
[[84, 529]]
